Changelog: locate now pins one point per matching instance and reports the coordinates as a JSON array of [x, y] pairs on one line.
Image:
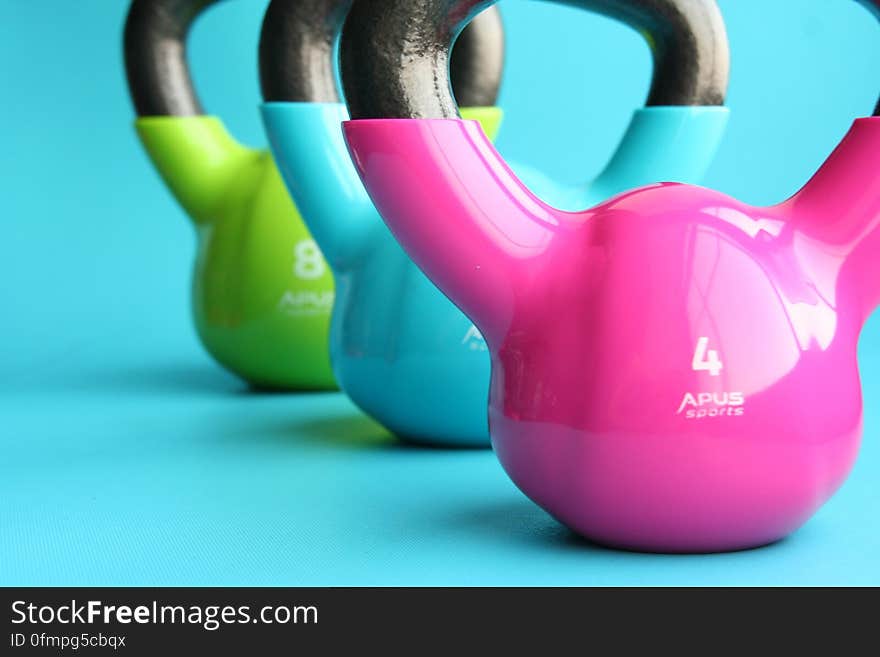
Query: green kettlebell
[[262, 292]]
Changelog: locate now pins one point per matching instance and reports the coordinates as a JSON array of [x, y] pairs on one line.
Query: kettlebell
[[262, 291], [431, 360], [400, 349], [673, 370]]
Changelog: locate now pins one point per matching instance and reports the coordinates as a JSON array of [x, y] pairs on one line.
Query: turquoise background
[[128, 458]]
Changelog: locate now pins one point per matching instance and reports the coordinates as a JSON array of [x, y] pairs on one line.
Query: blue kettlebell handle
[[303, 114]]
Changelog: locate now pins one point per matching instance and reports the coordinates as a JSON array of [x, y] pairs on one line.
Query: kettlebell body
[[262, 293], [400, 349], [672, 370], [717, 402]]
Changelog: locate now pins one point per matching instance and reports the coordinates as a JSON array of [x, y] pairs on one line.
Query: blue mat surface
[[156, 469]]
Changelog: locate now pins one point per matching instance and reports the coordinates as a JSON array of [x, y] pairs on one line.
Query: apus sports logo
[[306, 303], [711, 404], [699, 405]]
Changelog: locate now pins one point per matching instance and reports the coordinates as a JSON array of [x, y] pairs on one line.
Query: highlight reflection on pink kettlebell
[[672, 369]]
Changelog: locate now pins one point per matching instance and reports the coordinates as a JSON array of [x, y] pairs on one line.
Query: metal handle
[[394, 53], [297, 54]]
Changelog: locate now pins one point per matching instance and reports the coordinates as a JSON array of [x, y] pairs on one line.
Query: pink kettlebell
[[672, 369]]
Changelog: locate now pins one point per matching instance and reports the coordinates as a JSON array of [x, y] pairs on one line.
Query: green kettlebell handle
[[194, 153], [155, 56]]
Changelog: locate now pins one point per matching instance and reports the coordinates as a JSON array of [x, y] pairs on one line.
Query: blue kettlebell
[[399, 348]]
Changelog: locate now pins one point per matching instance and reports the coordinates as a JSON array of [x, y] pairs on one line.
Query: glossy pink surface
[[673, 370]]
